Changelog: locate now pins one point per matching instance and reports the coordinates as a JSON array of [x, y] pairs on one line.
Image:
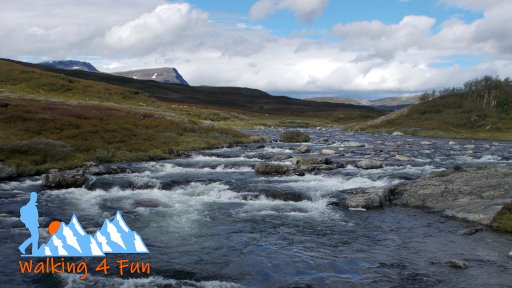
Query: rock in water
[[56, 179], [397, 133], [271, 169], [303, 149], [458, 264], [353, 144], [403, 158], [327, 152], [369, 164], [7, 172]]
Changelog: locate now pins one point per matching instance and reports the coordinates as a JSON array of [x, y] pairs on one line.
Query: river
[[210, 221]]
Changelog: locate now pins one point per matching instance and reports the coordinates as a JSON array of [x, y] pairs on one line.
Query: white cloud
[[474, 5], [366, 56], [305, 10]]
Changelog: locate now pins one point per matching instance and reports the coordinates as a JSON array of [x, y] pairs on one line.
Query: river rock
[[303, 149], [397, 133], [402, 158], [56, 179], [369, 164], [469, 146], [311, 161], [106, 169], [271, 169], [510, 254], [7, 172], [353, 144], [327, 152], [452, 143], [458, 264], [369, 198], [426, 143], [281, 158], [473, 194]]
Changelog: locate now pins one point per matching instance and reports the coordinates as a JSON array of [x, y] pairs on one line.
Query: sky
[[300, 48]]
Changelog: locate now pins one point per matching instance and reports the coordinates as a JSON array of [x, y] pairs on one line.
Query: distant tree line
[[487, 93]]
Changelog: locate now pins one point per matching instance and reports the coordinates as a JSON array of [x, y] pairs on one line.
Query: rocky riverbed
[[334, 212]]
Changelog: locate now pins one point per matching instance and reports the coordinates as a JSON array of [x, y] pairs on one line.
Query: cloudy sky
[[301, 48]]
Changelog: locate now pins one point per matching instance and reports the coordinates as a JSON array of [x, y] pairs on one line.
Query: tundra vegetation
[[481, 109]]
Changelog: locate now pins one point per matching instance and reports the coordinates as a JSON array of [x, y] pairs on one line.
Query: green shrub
[[294, 136]]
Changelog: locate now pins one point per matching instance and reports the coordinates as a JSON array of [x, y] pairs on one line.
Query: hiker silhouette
[[30, 217]]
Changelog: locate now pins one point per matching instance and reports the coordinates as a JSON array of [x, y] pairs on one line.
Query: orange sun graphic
[[54, 227]]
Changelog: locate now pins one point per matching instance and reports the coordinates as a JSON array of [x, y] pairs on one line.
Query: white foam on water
[[269, 150], [15, 185], [318, 185], [72, 280], [159, 169], [202, 158]]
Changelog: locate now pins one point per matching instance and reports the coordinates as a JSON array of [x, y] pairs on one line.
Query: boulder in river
[[311, 161], [271, 169], [472, 194], [56, 179], [353, 144], [397, 133], [369, 164], [369, 198], [457, 264], [327, 152], [402, 158], [7, 172], [106, 169], [303, 149]]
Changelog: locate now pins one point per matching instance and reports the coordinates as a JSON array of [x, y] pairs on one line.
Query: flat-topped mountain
[[70, 65], [165, 75]]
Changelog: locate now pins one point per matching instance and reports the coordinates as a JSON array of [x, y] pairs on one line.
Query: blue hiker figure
[[30, 217]]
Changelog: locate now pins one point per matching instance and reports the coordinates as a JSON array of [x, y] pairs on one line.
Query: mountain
[[389, 103], [70, 65], [72, 241], [164, 75], [116, 237]]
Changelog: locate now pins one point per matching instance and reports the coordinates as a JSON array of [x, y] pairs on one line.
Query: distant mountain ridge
[[70, 65], [168, 75], [164, 75], [388, 103]]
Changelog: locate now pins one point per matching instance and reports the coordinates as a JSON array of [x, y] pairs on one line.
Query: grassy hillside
[[51, 120], [481, 109], [233, 98]]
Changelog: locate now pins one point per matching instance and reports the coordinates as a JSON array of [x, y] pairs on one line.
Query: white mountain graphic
[[114, 237]]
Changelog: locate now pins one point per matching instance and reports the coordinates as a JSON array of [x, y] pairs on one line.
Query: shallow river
[[210, 221]]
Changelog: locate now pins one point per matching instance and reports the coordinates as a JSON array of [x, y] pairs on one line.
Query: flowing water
[[210, 221]]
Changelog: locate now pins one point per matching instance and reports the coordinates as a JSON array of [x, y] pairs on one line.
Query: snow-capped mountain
[[165, 75], [114, 237], [117, 237]]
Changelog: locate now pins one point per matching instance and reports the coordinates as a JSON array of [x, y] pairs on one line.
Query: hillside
[[245, 99], [49, 120], [52, 120], [480, 109]]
